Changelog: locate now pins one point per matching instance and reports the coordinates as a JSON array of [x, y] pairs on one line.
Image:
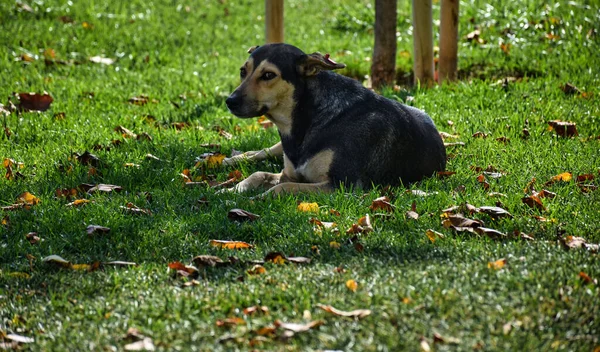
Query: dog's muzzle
[[238, 106]]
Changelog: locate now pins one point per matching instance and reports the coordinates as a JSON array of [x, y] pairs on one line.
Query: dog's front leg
[[257, 180], [295, 187], [256, 155]]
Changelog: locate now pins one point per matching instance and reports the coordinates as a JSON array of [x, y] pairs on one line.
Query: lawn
[[157, 86]]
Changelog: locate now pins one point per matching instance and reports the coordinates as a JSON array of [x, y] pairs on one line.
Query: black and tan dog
[[333, 130]]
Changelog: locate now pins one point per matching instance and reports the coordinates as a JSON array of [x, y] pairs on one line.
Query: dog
[[333, 130]]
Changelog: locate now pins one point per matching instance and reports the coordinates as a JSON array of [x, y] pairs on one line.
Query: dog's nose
[[233, 101]]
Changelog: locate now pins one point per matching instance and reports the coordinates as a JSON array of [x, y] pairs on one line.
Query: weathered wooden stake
[[383, 66], [423, 42], [274, 21], [448, 41]]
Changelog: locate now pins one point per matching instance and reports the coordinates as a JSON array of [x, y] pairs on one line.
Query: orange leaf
[[78, 202], [27, 198], [564, 177], [231, 321], [498, 264], [352, 285], [257, 270], [230, 244]]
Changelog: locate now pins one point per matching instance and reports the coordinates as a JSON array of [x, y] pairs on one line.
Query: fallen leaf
[[322, 224], [479, 134], [503, 139], [569, 88], [101, 187], [18, 338], [382, 203], [352, 285], [201, 261], [125, 132], [257, 270], [184, 270], [481, 179], [498, 264], [418, 192], [230, 244], [585, 178], [102, 60], [563, 128], [437, 338], [92, 229], [32, 237], [57, 261], [144, 344], [140, 100], [294, 327], [357, 313], [586, 278], [563, 177], [254, 309], [457, 220], [574, 242], [530, 186], [230, 321], [424, 345], [299, 260], [533, 201], [78, 202], [363, 226], [308, 207], [241, 215], [133, 209], [412, 214], [445, 174], [119, 263], [446, 135], [495, 212], [28, 199], [454, 144], [433, 235], [334, 245], [34, 101]]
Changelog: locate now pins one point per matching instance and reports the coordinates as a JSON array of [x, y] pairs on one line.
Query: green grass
[[414, 288]]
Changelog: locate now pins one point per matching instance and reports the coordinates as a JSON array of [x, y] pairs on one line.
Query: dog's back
[[375, 140]]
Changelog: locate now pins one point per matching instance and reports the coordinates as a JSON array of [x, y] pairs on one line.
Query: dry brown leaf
[[585, 178], [34, 101], [445, 174], [294, 327], [32, 237], [255, 309], [202, 261], [231, 321], [382, 203], [586, 278], [230, 244], [446, 135], [144, 344], [363, 226], [133, 209], [563, 128], [241, 215], [495, 212], [322, 224], [454, 144], [57, 261], [357, 313], [125, 132], [458, 220], [92, 229], [140, 100]]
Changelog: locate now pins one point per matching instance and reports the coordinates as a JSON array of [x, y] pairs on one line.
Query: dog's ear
[[252, 48], [310, 65]]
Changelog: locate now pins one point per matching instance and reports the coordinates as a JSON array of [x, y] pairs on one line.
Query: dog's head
[[270, 77]]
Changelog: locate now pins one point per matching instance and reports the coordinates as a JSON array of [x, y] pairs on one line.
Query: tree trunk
[[423, 42], [448, 40], [383, 66], [274, 21]]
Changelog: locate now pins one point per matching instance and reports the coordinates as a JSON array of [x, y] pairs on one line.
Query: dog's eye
[[267, 76], [243, 72]]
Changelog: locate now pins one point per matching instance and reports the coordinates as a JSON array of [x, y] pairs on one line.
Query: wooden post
[[383, 66], [448, 41], [423, 42], [274, 21]]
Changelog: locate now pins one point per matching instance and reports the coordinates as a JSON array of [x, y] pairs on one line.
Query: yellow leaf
[[215, 160], [565, 177], [279, 260], [19, 275], [28, 198], [230, 244], [352, 285], [308, 207], [82, 267], [406, 300], [334, 245], [498, 264], [433, 235]]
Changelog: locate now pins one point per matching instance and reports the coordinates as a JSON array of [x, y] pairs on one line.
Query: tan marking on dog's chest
[[315, 170]]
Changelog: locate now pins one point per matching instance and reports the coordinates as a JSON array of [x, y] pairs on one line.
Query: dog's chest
[[310, 170]]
